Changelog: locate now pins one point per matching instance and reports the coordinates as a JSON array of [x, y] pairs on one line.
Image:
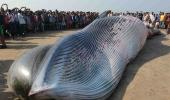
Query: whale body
[[86, 65]]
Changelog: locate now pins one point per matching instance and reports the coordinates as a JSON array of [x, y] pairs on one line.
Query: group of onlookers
[[18, 22], [152, 20]]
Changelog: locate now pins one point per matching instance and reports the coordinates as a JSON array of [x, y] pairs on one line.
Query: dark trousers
[[22, 28], [13, 29]]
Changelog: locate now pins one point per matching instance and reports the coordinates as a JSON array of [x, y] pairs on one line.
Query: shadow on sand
[[152, 49], [46, 34], [4, 67], [21, 46], [22, 43]]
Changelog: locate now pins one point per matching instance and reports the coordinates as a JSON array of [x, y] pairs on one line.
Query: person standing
[[152, 20], [146, 20], [168, 23], [22, 23], [63, 22], [162, 20], [2, 38], [12, 25], [157, 19]]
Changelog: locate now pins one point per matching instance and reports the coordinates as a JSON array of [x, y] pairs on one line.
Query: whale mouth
[[40, 90], [32, 93]]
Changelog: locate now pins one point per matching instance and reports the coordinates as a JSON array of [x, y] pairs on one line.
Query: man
[[146, 19], [157, 19], [22, 23], [168, 23], [12, 25], [152, 19], [162, 20], [2, 39]]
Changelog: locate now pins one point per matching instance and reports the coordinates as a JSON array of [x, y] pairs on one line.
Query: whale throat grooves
[[86, 65]]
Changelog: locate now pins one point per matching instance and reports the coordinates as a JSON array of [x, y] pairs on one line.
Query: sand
[[145, 78]]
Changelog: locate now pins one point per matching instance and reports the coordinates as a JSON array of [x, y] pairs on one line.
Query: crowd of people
[[18, 22], [153, 20]]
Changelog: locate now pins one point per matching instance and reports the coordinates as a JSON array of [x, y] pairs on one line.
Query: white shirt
[[146, 20], [21, 19], [152, 17]]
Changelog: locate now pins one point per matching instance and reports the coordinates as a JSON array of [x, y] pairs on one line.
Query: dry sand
[[146, 78]]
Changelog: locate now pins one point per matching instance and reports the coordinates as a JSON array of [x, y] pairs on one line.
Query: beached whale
[[86, 65]]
